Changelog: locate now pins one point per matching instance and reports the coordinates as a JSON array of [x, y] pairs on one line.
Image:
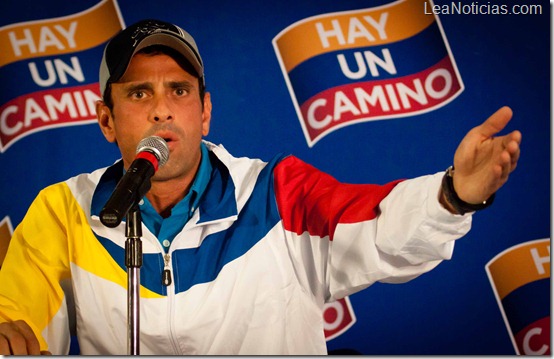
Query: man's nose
[[161, 110]]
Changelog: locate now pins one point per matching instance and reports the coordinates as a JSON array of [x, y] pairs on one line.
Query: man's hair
[[157, 50]]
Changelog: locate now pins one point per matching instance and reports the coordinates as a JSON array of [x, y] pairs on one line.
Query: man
[[239, 255]]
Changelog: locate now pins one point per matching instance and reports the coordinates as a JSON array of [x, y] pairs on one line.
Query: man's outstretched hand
[[483, 162]]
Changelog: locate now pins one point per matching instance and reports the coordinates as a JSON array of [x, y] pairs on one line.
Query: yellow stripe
[[62, 35], [54, 232], [301, 41], [89, 254], [520, 265], [37, 260]]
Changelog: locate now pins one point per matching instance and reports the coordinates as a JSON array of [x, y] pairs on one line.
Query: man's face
[[157, 97]]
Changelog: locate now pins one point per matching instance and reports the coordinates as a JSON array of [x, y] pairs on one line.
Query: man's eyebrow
[[131, 87], [180, 84]]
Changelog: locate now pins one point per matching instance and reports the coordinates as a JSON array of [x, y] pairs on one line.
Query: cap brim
[[176, 44]]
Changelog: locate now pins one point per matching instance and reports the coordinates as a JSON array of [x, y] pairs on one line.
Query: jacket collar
[[217, 203]]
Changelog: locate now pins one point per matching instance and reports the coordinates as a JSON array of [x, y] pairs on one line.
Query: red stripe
[[150, 157], [535, 338], [16, 123], [378, 111], [313, 201]]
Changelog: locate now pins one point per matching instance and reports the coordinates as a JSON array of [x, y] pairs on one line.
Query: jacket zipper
[[167, 281], [166, 274]]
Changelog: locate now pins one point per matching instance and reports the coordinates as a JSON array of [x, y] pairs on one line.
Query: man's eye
[[181, 92], [137, 94]]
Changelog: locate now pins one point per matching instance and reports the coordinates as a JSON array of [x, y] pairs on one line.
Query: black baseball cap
[[121, 48]]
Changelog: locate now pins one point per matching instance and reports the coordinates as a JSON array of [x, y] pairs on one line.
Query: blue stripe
[[152, 263], [259, 215], [105, 187], [23, 83], [218, 200], [410, 56], [151, 270], [527, 304], [199, 265]]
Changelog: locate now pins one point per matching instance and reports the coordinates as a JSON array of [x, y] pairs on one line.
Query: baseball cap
[[121, 48]]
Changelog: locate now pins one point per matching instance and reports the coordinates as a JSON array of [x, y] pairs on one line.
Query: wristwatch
[[460, 206]]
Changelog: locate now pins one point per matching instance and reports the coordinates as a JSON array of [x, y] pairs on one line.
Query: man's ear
[[105, 120], [206, 114]]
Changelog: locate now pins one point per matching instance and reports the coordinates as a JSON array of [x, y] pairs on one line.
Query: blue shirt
[[165, 229]]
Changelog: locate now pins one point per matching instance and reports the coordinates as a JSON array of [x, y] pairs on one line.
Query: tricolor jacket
[[268, 246]]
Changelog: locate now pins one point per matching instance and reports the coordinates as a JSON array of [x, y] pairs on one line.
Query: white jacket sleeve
[[411, 235]]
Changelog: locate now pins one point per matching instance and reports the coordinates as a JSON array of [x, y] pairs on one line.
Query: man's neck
[[165, 195]]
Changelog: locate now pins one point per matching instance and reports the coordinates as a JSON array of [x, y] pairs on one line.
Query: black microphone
[[152, 152]]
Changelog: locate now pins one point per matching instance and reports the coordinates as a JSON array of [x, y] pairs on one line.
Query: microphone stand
[[133, 262]]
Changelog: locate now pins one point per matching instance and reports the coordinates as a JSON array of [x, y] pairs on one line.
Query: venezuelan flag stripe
[[43, 110], [152, 263], [408, 57], [520, 265], [385, 104], [302, 40], [303, 192], [204, 263], [527, 304], [38, 75], [152, 268], [535, 338], [77, 32]]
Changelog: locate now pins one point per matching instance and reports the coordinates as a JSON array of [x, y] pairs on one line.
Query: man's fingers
[[511, 143], [506, 166], [18, 338], [33, 345], [4, 346], [496, 122]]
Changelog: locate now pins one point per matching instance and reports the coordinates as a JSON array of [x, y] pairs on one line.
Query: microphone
[[152, 152]]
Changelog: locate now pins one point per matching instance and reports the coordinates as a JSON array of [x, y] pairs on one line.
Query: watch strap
[[459, 205]]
